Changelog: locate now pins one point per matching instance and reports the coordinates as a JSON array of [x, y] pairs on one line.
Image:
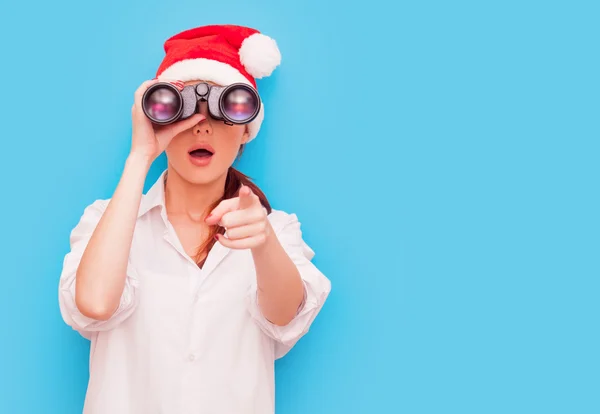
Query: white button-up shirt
[[184, 339]]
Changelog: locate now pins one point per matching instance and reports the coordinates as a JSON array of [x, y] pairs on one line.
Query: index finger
[[246, 197]]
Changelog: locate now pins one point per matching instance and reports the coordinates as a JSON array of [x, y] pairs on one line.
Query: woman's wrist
[[139, 161]]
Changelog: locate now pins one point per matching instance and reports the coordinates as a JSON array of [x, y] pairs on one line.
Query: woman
[[190, 292]]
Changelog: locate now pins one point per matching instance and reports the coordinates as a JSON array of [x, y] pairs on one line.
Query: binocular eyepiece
[[163, 103]]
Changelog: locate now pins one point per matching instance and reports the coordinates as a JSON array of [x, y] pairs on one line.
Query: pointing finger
[[246, 197]]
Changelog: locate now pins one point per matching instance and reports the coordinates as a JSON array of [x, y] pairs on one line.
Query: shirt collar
[[155, 196]]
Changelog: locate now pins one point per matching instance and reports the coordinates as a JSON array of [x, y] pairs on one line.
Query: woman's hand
[[149, 140], [245, 219]]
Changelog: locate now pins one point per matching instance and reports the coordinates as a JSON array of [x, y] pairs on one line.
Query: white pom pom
[[260, 55]]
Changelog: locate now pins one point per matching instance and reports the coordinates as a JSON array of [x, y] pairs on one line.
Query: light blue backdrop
[[442, 156]]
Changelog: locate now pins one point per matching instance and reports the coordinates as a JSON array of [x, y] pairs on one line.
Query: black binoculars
[[163, 103]]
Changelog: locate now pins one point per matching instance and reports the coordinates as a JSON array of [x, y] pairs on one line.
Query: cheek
[[176, 149], [229, 139]]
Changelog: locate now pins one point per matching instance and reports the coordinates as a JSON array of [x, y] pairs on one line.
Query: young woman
[[190, 292]]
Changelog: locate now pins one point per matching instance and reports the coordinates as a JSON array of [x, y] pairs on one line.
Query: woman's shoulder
[[281, 218], [99, 204], [288, 228], [88, 219], [95, 209]]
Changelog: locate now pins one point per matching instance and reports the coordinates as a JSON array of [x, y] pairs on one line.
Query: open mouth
[[201, 153]]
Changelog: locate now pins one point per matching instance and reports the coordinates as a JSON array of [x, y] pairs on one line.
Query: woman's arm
[[289, 290], [101, 274], [280, 287]]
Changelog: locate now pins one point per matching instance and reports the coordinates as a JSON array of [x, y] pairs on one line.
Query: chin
[[200, 175], [203, 178]]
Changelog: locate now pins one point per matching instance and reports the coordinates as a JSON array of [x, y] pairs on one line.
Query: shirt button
[[192, 357]]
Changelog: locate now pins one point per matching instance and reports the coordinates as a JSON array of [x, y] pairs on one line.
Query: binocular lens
[[239, 104], [162, 104]]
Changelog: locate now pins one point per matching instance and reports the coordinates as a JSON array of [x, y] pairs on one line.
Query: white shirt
[[186, 340]]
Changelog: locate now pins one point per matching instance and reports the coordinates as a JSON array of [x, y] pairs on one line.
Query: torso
[[193, 342], [187, 340]]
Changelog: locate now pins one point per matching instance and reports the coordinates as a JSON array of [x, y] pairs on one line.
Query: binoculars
[[163, 103]]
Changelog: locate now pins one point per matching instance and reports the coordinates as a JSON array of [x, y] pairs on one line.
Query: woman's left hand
[[245, 220]]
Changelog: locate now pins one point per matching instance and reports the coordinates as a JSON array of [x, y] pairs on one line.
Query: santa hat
[[223, 54]]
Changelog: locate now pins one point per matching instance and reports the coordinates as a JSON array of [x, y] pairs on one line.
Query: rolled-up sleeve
[[316, 286], [79, 238]]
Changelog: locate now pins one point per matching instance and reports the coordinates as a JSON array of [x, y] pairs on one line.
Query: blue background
[[442, 156]]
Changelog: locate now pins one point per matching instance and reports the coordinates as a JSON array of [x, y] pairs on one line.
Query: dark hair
[[235, 179]]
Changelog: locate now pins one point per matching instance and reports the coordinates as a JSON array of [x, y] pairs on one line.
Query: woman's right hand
[[149, 140]]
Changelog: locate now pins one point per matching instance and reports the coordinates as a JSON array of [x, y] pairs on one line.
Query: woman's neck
[[183, 198]]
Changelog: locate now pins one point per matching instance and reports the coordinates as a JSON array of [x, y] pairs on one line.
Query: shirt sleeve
[[316, 287], [79, 239]]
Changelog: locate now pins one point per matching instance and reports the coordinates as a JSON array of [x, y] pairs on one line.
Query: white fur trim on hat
[[260, 55], [202, 69]]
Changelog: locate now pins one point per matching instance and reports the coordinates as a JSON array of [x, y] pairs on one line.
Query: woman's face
[[200, 166]]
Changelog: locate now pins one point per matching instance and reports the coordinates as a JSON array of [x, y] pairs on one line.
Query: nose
[[203, 127]]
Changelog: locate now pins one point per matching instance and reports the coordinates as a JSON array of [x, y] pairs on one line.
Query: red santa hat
[[223, 54]]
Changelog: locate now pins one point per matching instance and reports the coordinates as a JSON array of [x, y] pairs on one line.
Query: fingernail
[[217, 237]]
